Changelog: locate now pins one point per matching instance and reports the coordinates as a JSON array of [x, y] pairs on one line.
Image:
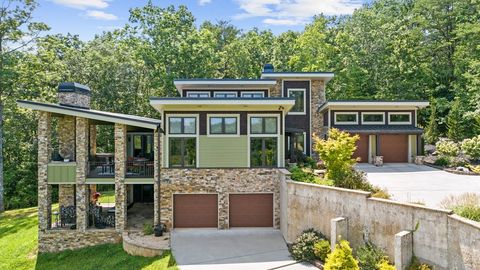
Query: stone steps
[[137, 244]]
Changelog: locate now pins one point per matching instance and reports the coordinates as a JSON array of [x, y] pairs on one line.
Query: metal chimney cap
[[73, 87]]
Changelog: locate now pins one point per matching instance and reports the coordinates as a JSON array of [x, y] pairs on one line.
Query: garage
[[394, 148], [251, 210], [195, 211], [362, 149]]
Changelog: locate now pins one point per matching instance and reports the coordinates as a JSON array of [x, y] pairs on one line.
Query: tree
[[431, 132], [17, 31], [455, 125]]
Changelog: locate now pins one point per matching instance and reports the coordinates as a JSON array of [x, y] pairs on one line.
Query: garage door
[[251, 210], [362, 149], [394, 148], [195, 210]]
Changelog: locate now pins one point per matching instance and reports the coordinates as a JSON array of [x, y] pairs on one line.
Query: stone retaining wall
[[58, 240], [442, 239]]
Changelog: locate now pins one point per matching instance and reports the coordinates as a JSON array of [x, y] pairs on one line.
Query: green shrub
[[385, 265], [369, 256], [416, 265], [382, 193], [147, 229], [468, 211], [447, 148], [354, 179], [321, 249], [471, 147], [443, 161], [302, 249], [300, 175], [466, 205], [341, 258]]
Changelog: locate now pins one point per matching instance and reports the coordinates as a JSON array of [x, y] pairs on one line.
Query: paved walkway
[[418, 183], [211, 249]]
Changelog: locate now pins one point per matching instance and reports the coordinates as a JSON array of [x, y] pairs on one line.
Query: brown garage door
[[251, 210], [394, 148], [362, 149], [195, 210]]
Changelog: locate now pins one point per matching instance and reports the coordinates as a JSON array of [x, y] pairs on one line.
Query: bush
[[471, 147], [466, 205], [303, 248], [147, 229], [354, 179], [385, 265], [447, 148], [416, 265], [300, 175], [321, 249], [341, 258], [369, 257], [382, 193], [442, 161]]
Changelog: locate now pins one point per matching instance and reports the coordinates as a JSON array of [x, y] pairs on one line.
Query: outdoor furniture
[[101, 220], [68, 215]]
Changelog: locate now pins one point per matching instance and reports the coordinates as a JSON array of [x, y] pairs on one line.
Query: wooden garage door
[[362, 149], [195, 210], [251, 210], [394, 148]]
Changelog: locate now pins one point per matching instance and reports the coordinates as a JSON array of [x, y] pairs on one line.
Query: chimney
[[74, 94], [268, 68]]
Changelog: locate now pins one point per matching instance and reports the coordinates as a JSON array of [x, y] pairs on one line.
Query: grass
[[18, 250], [107, 196]]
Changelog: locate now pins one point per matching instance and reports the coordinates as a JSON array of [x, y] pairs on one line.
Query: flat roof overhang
[[373, 105], [325, 76], [223, 84], [131, 120], [222, 104]]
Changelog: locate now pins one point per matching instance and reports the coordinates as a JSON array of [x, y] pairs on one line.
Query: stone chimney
[[268, 68], [74, 94]]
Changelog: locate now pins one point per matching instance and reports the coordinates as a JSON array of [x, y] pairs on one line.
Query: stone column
[[93, 140], [156, 177], [317, 99], [120, 187], [403, 249], [66, 195], [44, 156], [66, 137], [82, 194], [277, 90], [339, 230]]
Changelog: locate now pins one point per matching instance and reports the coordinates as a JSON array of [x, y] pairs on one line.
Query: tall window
[[299, 95], [223, 125], [263, 141], [182, 141]]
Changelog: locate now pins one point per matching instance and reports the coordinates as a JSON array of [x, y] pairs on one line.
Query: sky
[[89, 17]]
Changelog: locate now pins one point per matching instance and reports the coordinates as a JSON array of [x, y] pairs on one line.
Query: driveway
[[419, 183], [202, 249]]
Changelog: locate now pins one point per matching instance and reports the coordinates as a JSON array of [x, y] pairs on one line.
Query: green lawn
[[107, 196], [18, 250]]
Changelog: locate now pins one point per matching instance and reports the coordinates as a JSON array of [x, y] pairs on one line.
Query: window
[[223, 125], [299, 142], [299, 95], [263, 152], [400, 118], [225, 94], [370, 118], [182, 152], [198, 94], [263, 125], [346, 118], [182, 125], [252, 94]]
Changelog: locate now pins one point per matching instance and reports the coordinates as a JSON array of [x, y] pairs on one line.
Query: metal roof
[[409, 129], [127, 119]]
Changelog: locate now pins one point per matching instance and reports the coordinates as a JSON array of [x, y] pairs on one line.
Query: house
[[214, 159]]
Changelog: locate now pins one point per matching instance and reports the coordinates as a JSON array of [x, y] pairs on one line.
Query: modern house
[[214, 159]]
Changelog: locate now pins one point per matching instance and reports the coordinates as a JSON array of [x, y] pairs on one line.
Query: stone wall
[[93, 140], [277, 90], [442, 239], [317, 99], [74, 98], [66, 195], [44, 155], [66, 137], [220, 181], [120, 186], [82, 189], [58, 240]]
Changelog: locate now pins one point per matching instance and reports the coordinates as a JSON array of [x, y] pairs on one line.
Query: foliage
[[336, 152], [341, 258], [382, 193], [321, 249], [369, 257], [431, 131], [447, 148], [303, 248], [455, 123], [475, 169], [385, 265], [147, 229], [301, 175], [416, 265], [466, 205], [443, 161], [471, 147]]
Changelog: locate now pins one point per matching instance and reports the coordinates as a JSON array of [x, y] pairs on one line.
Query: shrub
[[416, 265], [300, 175], [321, 249], [385, 265], [466, 205], [336, 152], [471, 147], [341, 258], [147, 228], [447, 148], [381, 193], [442, 161], [369, 256], [302, 249], [354, 179]]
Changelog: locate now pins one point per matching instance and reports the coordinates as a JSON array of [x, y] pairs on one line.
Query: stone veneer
[[120, 186], [44, 189], [66, 195], [156, 177], [93, 140], [277, 90], [221, 182], [317, 99], [66, 137], [58, 240], [82, 189], [75, 98]]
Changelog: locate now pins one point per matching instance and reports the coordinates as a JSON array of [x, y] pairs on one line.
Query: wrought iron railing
[[134, 168], [139, 168], [101, 169]]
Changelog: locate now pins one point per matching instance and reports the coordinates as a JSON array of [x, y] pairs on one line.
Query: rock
[[462, 169]]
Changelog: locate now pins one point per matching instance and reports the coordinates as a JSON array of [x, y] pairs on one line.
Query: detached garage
[[362, 148], [393, 148]]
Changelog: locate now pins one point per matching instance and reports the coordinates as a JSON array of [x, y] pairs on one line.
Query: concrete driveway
[[202, 249], [419, 183]]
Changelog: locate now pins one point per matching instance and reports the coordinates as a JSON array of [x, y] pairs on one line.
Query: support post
[[338, 230], [120, 187], [44, 156], [156, 177], [82, 192], [403, 249]]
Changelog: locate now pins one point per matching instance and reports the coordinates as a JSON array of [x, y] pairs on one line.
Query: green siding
[[61, 173], [223, 151]]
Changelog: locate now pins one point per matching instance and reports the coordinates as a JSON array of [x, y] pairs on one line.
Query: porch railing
[[101, 169], [135, 168], [139, 168]]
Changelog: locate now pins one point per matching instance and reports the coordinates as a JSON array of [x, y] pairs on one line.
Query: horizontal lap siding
[[61, 173], [224, 152]]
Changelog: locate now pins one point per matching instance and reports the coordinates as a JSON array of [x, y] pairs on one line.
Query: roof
[[374, 103], [379, 128], [326, 76], [223, 104], [181, 84], [127, 119], [73, 87]]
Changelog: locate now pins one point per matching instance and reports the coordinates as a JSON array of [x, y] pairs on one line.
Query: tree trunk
[[2, 206]]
